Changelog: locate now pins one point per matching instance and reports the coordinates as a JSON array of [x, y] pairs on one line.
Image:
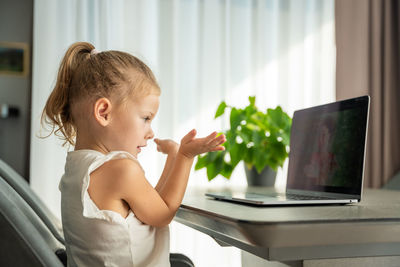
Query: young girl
[[103, 104]]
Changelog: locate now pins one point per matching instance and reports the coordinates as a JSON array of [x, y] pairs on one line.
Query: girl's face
[[132, 123]]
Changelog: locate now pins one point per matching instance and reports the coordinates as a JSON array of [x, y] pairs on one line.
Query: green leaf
[[250, 111], [230, 139], [278, 153], [220, 109], [258, 139], [246, 135], [249, 156], [272, 164], [227, 170], [260, 158], [235, 118], [214, 169], [252, 127], [285, 138], [211, 157], [237, 153], [252, 100], [211, 173], [201, 162], [278, 118]]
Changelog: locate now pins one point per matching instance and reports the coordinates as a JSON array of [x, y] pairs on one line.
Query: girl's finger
[[210, 137], [217, 141], [190, 136], [218, 148]]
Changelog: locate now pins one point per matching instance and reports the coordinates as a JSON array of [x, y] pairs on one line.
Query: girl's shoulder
[[99, 160], [109, 181], [118, 169]]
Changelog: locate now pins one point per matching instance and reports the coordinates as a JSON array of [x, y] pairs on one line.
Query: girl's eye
[[147, 119]]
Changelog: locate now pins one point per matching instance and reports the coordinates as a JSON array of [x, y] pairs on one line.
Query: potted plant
[[260, 139]]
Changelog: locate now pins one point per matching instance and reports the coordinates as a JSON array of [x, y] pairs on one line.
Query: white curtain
[[202, 52]]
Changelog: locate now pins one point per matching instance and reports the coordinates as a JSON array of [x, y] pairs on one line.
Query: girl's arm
[[175, 186], [154, 208], [170, 148]]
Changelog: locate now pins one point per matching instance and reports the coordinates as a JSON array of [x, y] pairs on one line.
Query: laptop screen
[[327, 147]]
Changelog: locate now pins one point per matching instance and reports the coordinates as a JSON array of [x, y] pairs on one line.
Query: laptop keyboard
[[287, 196], [303, 197]]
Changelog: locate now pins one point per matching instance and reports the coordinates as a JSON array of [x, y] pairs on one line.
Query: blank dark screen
[[327, 147]]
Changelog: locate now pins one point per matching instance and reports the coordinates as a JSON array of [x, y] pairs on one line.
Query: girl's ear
[[102, 111]]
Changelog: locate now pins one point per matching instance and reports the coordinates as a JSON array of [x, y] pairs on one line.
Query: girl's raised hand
[[191, 146], [166, 146]]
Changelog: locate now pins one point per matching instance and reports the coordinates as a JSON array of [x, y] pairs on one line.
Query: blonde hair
[[85, 73]]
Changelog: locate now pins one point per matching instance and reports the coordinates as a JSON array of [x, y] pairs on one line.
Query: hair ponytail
[[57, 111], [85, 75]]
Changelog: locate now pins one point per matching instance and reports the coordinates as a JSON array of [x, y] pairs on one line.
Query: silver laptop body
[[326, 159]]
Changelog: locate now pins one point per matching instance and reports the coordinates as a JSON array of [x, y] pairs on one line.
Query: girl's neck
[[86, 143]]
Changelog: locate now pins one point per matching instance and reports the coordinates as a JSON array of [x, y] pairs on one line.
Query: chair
[[180, 260], [19, 184], [25, 239], [35, 207]]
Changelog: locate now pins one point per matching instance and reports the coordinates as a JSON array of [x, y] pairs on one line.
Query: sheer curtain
[[202, 52]]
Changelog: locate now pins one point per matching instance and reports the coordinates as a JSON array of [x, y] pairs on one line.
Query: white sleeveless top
[[102, 237]]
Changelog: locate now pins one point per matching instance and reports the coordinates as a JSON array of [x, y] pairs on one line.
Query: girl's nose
[[150, 135]]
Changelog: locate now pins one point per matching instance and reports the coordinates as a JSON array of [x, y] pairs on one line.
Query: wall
[[16, 20]]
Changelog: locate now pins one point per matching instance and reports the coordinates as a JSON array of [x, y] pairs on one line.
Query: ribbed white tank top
[[102, 237]]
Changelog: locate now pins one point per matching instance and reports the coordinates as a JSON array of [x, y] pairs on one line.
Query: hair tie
[[94, 51]]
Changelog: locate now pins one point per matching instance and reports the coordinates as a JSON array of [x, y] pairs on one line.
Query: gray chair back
[[25, 239], [19, 184]]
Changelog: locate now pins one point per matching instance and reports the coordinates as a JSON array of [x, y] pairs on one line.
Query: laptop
[[326, 158]]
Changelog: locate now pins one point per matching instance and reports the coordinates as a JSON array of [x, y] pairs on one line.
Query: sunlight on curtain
[[57, 24], [202, 52]]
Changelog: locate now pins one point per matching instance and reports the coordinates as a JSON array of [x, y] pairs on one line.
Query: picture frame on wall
[[14, 58]]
